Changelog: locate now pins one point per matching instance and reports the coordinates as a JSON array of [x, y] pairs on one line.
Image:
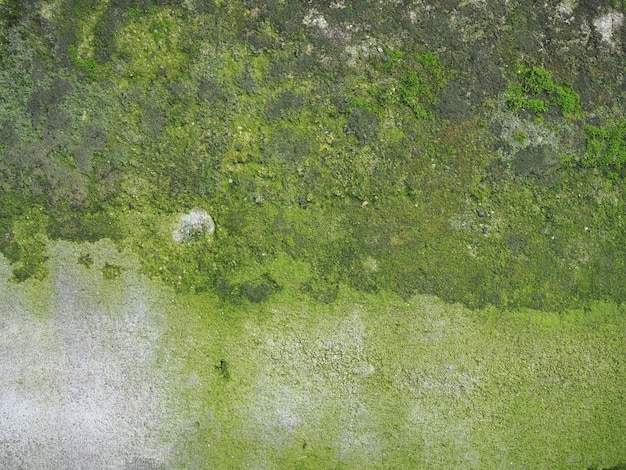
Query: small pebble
[[480, 213], [485, 230]]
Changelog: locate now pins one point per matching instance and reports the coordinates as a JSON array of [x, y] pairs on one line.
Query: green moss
[[338, 195], [85, 259], [606, 147], [337, 168], [535, 106], [370, 381], [375, 381], [537, 89], [567, 99], [87, 64], [418, 80], [27, 247], [83, 28], [536, 80], [151, 46], [134, 12], [111, 271]]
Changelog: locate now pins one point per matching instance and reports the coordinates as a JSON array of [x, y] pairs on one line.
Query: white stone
[[314, 18], [566, 7], [196, 222], [607, 24]]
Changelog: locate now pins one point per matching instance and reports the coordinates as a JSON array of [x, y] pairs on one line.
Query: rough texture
[[420, 254], [81, 384], [194, 224], [110, 373]]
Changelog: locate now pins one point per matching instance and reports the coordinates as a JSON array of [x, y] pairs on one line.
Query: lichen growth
[[356, 157]]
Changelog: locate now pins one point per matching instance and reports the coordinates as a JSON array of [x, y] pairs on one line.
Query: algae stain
[[371, 379], [367, 381]]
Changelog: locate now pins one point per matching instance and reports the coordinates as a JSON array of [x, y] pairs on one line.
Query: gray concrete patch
[[81, 382]]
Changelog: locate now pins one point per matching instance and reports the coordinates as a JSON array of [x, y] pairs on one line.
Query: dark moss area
[[356, 143]]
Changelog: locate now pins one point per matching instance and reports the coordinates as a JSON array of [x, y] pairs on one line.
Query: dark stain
[[222, 369]]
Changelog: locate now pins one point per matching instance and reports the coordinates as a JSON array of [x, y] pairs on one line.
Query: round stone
[[192, 225]]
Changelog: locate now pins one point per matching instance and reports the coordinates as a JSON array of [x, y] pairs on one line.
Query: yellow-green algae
[[370, 381], [375, 382], [282, 136]]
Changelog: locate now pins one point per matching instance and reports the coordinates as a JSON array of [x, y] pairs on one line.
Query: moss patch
[[377, 382]]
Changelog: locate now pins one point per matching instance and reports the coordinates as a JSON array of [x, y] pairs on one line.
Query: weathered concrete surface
[[103, 369], [81, 385]]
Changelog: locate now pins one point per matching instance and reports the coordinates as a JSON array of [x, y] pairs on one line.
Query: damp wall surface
[[285, 234], [81, 383], [124, 373]]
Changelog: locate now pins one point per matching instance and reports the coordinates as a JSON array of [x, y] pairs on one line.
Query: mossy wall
[[420, 384], [361, 150], [124, 372], [419, 247]]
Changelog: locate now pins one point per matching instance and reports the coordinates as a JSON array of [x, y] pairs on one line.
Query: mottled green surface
[[360, 159], [374, 382], [357, 144], [188, 381]]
